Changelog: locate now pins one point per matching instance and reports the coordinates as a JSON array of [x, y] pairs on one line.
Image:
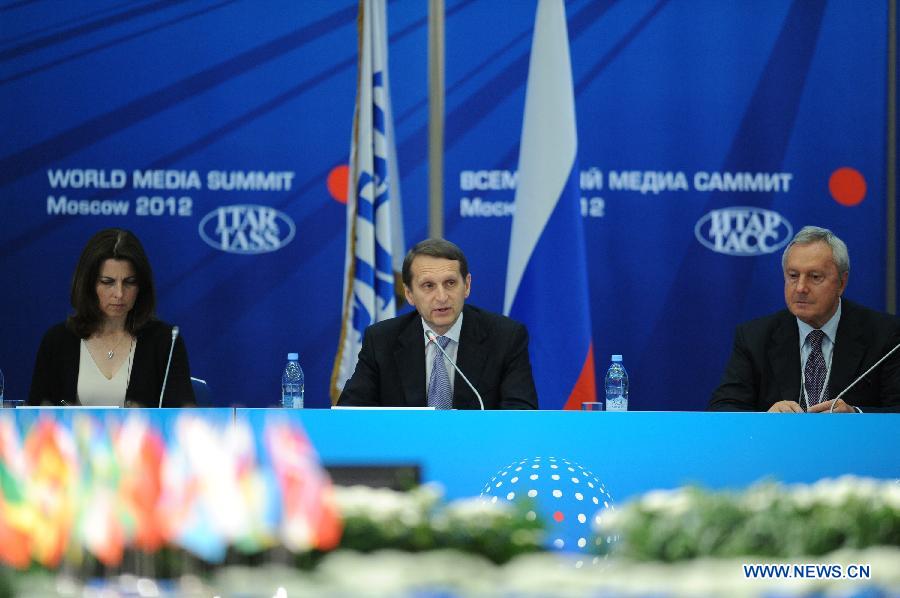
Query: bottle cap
[[617, 358], [293, 356]]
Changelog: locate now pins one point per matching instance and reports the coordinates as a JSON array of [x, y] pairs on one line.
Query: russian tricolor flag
[[546, 276]]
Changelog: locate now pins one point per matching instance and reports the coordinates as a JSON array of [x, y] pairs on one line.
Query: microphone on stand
[[866, 373], [433, 339], [168, 364]]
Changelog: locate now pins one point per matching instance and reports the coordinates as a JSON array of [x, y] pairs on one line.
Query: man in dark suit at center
[[399, 364], [801, 358]]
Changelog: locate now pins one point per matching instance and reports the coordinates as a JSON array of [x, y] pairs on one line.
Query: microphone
[[866, 373], [433, 339], [168, 363]]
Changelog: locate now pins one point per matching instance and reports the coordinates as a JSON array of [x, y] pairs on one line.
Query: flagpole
[[436, 118], [374, 223]]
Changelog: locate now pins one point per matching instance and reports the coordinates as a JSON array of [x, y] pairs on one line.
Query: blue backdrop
[[708, 133]]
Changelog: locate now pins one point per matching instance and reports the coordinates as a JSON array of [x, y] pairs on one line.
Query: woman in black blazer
[[112, 350]]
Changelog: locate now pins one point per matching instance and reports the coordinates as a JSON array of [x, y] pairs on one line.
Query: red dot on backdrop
[[337, 182], [558, 516], [847, 186]]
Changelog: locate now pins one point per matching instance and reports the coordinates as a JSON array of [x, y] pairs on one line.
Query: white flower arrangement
[[387, 507], [767, 519], [419, 520]]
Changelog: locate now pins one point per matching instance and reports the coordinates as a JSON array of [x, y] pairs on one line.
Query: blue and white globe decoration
[[571, 499]]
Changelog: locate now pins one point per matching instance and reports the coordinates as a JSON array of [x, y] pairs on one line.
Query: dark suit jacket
[[55, 375], [765, 363], [493, 353]]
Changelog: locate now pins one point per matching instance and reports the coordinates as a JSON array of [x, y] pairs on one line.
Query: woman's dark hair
[[116, 244]]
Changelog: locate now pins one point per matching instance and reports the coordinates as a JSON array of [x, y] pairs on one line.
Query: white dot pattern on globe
[[561, 506]]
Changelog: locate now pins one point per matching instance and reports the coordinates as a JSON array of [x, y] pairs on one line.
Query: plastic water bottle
[[292, 384], [616, 386]]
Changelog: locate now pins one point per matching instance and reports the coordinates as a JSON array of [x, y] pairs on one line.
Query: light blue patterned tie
[[815, 370], [439, 395]]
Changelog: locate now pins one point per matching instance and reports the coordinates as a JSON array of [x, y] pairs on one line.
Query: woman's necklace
[[112, 352]]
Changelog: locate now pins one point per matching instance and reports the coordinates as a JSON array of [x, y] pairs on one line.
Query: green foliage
[[7, 577], [766, 520], [415, 521]]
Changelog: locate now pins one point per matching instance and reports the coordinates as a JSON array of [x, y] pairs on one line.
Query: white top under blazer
[[97, 390]]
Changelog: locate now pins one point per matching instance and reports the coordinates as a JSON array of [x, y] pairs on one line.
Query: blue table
[[630, 452]]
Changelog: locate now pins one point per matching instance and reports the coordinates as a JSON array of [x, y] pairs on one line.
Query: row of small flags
[[546, 280], [107, 485]]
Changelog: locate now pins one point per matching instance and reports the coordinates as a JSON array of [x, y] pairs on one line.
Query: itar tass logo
[[247, 229], [743, 231]]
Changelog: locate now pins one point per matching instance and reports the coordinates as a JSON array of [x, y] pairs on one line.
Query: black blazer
[[55, 375], [765, 363], [493, 353]]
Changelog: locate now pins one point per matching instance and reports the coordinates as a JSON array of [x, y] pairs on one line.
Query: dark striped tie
[[815, 371]]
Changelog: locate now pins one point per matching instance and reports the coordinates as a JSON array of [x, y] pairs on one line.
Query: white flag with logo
[[375, 246]]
